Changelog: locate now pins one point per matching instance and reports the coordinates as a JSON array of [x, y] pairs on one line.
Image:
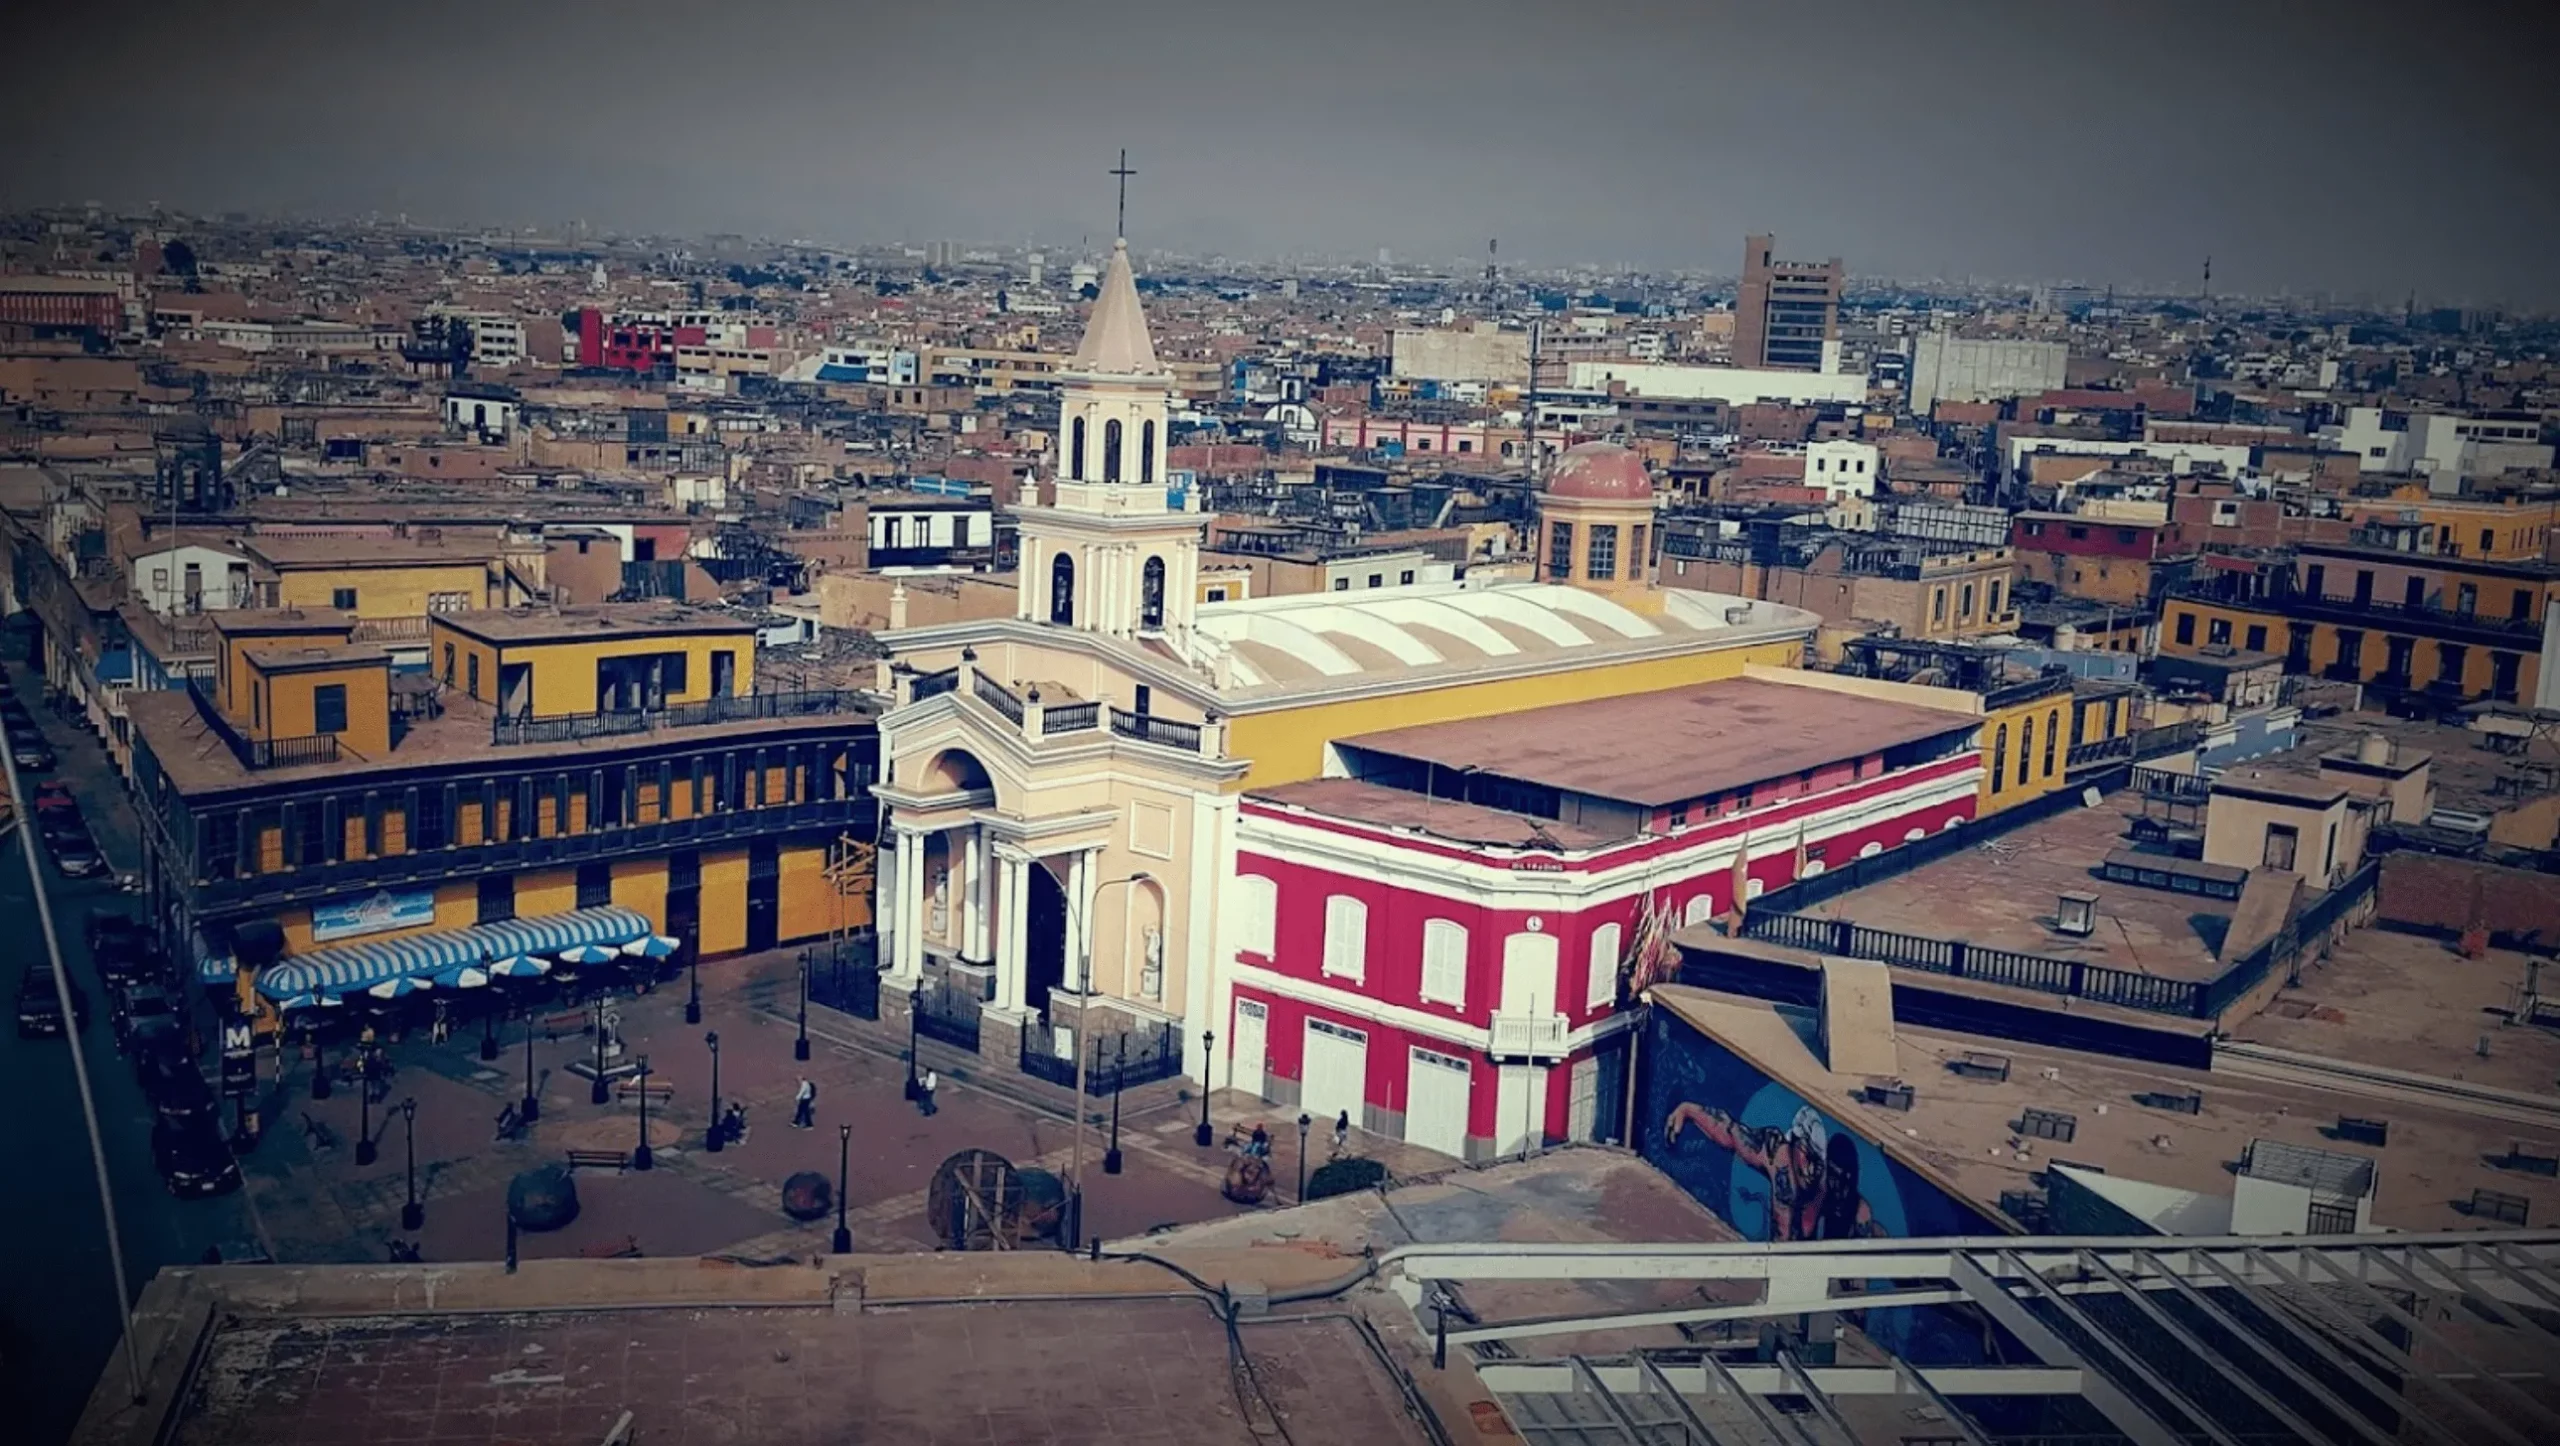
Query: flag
[[1741, 882], [1651, 958]]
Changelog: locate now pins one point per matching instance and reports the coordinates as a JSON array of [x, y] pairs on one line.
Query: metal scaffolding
[[2376, 1339]]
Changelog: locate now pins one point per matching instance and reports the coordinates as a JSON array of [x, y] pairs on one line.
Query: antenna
[[2208, 278], [1124, 173]]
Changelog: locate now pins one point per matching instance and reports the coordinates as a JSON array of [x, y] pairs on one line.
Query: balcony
[[1163, 732], [260, 753], [1529, 1036], [2374, 614], [745, 708]]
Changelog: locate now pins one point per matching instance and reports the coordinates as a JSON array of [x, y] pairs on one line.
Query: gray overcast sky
[[2336, 145]]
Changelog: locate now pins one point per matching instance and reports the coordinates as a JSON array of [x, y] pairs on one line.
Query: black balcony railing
[[257, 753], [934, 685], [1121, 1059], [1163, 732], [999, 697], [2371, 613], [576, 727], [1071, 718]]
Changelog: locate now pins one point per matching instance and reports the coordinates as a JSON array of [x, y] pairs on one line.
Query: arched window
[[1111, 450], [1146, 452], [1999, 757], [2052, 730], [1151, 592], [1062, 590], [2026, 750], [1075, 451]]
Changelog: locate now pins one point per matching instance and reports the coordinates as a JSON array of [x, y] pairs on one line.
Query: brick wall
[[2442, 895]]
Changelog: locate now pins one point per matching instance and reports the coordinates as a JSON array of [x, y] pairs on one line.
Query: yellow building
[[2509, 529], [608, 759], [2453, 630], [381, 578]]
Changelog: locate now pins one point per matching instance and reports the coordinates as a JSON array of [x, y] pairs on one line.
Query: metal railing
[[2371, 613], [257, 753], [2164, 786], [1163, 732], [748, 707], [1124, 1059], [999, 697], [934, 685], [1071, 718], [946, 1013], [844, 975]]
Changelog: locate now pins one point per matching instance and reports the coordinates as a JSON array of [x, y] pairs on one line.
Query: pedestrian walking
[[926, 1087], [804, 1106], [442, 1028]]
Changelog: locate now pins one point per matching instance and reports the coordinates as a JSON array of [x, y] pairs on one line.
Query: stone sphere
[[543, 1198], [808, 1195]]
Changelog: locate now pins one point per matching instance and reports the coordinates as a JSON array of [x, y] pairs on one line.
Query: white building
[[1841, 468], [2438, 443], [1733, 386], [2182, 457], [1965, 369], [191, 578], [497, 339], [1486, 354], [492, 416]]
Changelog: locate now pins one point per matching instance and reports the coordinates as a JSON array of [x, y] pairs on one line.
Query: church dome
[[1600, 472]]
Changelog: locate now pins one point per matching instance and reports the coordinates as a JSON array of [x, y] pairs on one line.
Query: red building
[[629, 344], [59, 303], [1439, 942]]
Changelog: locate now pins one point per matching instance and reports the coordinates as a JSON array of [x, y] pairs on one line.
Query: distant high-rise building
[[1787, 311]]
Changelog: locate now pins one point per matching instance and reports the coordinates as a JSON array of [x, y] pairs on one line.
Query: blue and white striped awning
[[350, 968]]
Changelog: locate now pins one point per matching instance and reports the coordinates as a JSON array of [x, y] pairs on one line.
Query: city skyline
[[1998, 145]]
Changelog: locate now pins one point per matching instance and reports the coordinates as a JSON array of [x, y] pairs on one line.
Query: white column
[[1080, 933], [965, 890], [884, 899], [910, 903], [1012, 962]]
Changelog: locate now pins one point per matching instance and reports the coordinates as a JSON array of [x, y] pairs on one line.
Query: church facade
[[1079, 830]]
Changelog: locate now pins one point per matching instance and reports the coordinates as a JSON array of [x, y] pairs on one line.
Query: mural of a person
[[1813, 1173]]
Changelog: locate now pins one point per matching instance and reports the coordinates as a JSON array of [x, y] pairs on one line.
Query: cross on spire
[[1124, 173]]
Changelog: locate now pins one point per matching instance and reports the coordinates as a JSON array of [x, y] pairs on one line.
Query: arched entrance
[[1044, 937]]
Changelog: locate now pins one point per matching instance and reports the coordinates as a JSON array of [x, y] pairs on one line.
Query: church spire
[[1115, 336]]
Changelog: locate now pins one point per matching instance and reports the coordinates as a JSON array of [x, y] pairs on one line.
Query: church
[[1378, 854]]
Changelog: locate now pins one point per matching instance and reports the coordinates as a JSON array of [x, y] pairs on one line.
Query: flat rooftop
[[289, 552], [1661, 748], [564, 624], [2002, 893], [1964, 1129], [1455, 820], [2409, 1002]]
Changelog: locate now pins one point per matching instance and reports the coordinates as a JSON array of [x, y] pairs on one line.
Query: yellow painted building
[[379, 578], [549, 662], [2515, 529], [735, 825]]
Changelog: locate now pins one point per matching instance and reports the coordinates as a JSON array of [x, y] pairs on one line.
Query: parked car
[[172, 1082], [61, 824], [40, 1009], [193, 1159], [141, 1011], [122, 947], [77, 856], [33, 755], [54, 796]]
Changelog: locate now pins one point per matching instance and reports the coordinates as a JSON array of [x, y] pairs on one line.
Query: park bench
[[567, 1021], [660, 1091], [599, 1159]]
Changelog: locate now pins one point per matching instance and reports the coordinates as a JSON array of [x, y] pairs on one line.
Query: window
[[2186, 628], [1257, 914], [329, 708], [1217, 594], [1406, 577], [595, 886], [1346, 937], [2000, 759], [1062, 590], [2026, 749], [1964, 601], [1559, 549], [1994, 605], [1146, 452], [1603, 990], [448, 665], [893, 532], [2449, 660], [2281, 840], [960, 530], [1637, 557], [160, 581], [2487, 542], [1604, 552], [2520, 607], [448, 602], [2052, 732], [2466, 599], [2217, 633], [1151, 594], [1444, 963], [1111, 450], [1937, 605], [2256, 638], [1075, 451], [343, 599], [2315, 579], [1377, 579], [497, 898], [1342, 584], [473, 665]]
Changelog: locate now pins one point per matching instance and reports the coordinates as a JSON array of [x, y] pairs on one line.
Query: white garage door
[[1435, 1103], [1244, 1069], [1336, 1071]]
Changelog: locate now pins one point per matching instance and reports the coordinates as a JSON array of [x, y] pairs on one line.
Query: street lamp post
[[712, 1140], [413, 1214], [598, 1093], [1072, 1235], [1119, 1072], [915, 1086], [844, 1179], [532, 1110], [800, 1046], [366, 1152], [693, 977], [1208, 1062], [641, 1157], [1304, 1121]]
